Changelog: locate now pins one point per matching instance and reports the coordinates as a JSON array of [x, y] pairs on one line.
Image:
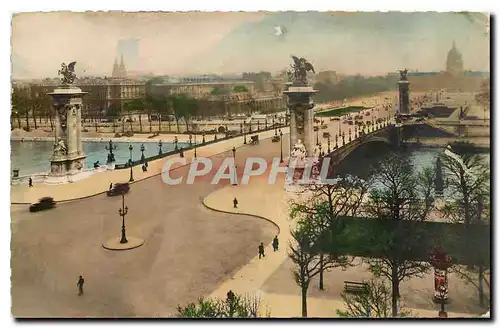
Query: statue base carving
[[63, 166]]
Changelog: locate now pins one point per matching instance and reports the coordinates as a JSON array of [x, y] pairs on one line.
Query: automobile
[[345, 122], [275, 139], [44, 203], [118, 189], [350, 122], [335, 118], [367, 114], [358, 117]]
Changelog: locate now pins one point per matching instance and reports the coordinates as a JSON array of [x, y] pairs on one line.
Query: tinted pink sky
[[188, 43]]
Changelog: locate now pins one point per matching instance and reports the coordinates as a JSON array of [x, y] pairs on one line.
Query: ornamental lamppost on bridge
[[123, 211], [130, 163], [328, 141], [110, 148], [281, 146], [142, 153], [441, 261], [160, 144], [234, 159]]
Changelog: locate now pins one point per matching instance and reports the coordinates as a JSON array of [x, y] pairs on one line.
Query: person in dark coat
[[261, 250], [235, 203], [230, 296], [275, 243], [30, 182], [80, 283]]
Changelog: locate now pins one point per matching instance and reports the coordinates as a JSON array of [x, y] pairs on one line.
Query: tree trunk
[[159, 123], [395, 291], [123, 125], [131, 128], [150, 123], [18, 121], [140, 122], [51, 123], [95, 122], [178, 126], [304, 302], [480, 286], [114, 126], [321, 269], [34, 116], [27, 121]]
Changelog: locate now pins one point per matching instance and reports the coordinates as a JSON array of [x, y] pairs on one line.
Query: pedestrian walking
[[30, 182], [235, 203], [261, 250], [80, 285], [275, 243], [230, 296]]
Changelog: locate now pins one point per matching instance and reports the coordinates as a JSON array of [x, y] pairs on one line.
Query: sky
[[235, 42]]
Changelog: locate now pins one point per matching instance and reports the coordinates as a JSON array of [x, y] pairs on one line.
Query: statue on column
[[68, 73], [299, 70], [298, 153], [403, 74]]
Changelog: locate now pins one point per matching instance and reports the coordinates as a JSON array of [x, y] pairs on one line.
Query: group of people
[[145, 167]]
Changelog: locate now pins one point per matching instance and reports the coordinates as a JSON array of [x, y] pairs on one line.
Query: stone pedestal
[[300, 105], [68, 157], [404, 97]]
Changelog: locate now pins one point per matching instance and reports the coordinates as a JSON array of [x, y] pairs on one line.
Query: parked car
[[119, 189], [334, 118], [275, 139], [44, 203], [350, 122]]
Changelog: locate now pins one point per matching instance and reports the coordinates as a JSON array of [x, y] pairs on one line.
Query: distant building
[[454, 62], [327, 77], [119, 71]]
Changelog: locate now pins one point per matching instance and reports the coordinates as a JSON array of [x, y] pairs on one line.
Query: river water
[[34, 156]]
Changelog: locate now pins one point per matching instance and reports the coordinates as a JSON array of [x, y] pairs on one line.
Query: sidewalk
[[99, 182]]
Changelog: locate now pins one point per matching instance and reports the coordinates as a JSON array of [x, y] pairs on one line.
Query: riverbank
[[480, 143]]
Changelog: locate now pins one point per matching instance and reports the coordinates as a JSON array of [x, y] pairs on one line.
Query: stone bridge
[[387, 132]]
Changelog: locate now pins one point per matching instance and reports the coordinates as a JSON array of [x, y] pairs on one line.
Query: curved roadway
[[189, 250]]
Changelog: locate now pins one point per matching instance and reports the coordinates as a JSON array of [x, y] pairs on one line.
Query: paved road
[[189, 250]]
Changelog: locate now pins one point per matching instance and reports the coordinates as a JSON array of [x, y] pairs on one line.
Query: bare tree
[[304, 253], [468, 187], [399, 195], [375, 302], [328, 202]]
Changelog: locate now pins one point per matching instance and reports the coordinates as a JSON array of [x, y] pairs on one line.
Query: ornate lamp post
[[441, 261], [195, 146], [244, 135], [160, 144], [176, 141], [190, 140], [317, 132], [234, 159], [142, 153], [110, 148], [281, 145], [328, 141], [203, 137], [123, 211], [130, 163]]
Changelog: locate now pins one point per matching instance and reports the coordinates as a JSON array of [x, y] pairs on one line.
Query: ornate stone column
[[404, 93]]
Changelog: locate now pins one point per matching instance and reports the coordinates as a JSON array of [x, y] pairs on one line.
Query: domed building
[[454, 62]]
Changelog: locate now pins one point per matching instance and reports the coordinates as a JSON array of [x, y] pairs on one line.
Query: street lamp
[[281, 145], [123, 211], [244, 135], [111, 147], [317, 133], [329, 149], [130, 163], [142, 153], [234, 159], [195, 146], [160, 144], [176, 141]]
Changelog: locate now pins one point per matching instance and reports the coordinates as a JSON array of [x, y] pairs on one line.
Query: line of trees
[[399, 193], [26, 102]]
